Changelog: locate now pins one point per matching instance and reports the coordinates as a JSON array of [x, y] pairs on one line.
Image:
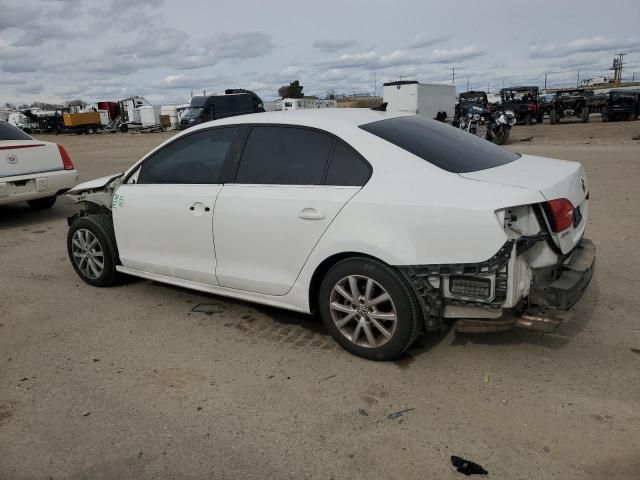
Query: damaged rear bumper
[[571, 280]]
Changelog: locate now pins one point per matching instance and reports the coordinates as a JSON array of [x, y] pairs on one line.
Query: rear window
[[440, 144], [9, 132]]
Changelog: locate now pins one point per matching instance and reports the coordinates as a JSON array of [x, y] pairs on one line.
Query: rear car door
[[163, 212], [283, 198]]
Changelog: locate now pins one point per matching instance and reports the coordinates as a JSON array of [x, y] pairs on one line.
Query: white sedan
[[387, 224], [31, 170]]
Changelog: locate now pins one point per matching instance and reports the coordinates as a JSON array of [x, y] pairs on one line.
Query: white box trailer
[[427, 99]]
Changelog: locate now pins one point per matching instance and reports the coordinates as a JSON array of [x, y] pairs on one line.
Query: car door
[[163, 212], [267, 222]]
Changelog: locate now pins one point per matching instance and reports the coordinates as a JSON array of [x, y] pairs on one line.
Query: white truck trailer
[[427, 99]]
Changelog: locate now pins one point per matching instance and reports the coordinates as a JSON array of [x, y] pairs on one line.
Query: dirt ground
[[132, 383]]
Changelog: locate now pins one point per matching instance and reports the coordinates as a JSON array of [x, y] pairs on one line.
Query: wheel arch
[[323, 267]]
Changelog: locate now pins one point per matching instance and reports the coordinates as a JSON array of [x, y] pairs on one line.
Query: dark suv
[[472, 98], [523, 102], [622, 105]]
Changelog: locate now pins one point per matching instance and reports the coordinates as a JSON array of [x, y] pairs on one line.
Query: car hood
[[551, 177], [95, 184]]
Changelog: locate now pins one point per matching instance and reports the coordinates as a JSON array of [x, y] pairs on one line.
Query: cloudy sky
[[56, 50]]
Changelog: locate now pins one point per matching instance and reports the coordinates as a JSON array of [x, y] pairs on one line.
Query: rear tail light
[[66, 159], [560, 214]]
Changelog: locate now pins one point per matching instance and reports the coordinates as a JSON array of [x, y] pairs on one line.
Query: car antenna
[[381, 108]]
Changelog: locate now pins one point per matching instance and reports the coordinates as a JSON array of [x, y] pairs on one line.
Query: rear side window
[[9, 132], [442, 145], [197, 158], [284, 156], [347, 168]]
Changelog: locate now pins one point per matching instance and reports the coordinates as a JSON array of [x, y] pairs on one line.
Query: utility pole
[[467, 84], [578, 80], [453, 74], [375, 85], [545, 81]]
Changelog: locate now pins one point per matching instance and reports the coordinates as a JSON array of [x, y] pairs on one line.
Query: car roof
[[329, 119], [518, 89]]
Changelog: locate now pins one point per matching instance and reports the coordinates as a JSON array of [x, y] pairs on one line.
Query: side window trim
[[135, 171]]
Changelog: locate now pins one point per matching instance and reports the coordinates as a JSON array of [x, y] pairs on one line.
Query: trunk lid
[[554, 179], [24, 157]]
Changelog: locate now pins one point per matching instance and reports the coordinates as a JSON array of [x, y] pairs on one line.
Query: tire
[[91, 131], [605, 117], [82, 233], [42, 203], [585, 115], [540, 118], [553, 117], [528, 119], [124, 128], [401, 333], [502, 137]]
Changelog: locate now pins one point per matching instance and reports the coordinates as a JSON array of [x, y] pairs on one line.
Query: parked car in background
[[31, 170], [570, 103], [467, 100], [622, 105], [523, 102], [213, 107], [349, 213]]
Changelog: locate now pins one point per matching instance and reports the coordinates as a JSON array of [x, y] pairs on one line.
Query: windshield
[[473, 98], [192, 112], [9, 132], [440, 144], [517, 96]]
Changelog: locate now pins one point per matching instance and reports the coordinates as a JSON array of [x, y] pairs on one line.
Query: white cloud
[[456, 54], [581, 45]]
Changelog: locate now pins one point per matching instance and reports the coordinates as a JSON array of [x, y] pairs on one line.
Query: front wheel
[[42, 203], [91, 246], [369, 309], [585, 114]]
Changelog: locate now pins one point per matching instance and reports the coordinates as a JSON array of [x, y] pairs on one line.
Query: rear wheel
[[553, 117], [528, 119], [42, 203], [369, 309], [91, 246], [585, 115]]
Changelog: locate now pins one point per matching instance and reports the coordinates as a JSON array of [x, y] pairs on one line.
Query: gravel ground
[[130, 382]]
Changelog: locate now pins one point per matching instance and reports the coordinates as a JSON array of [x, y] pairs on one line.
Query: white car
[[387, 224], [32, 170]]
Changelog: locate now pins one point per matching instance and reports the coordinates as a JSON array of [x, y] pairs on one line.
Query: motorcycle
[[497, 124]]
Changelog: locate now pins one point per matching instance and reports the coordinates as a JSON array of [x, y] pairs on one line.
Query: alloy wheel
[[87, 253], [363, 311]]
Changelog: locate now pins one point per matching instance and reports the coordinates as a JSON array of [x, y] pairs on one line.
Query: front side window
[[284, 156], [448, 148], [196, 158]]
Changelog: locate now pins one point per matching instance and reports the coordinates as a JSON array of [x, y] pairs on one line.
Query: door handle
[[200, 207], [310, 214]]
